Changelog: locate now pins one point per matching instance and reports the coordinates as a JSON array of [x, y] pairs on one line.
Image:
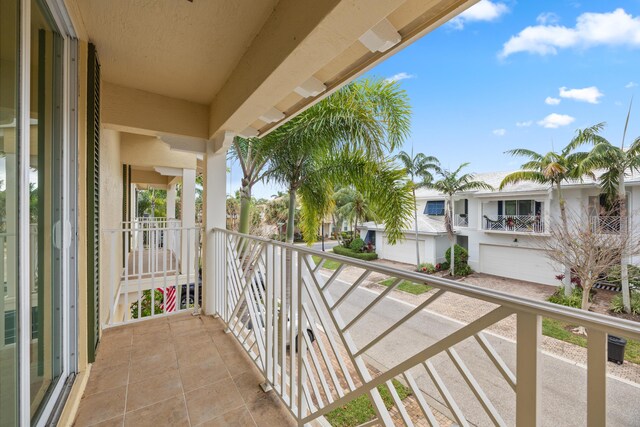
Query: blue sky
[[509, 74]]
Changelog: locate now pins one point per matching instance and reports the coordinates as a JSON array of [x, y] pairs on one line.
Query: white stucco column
[[215, 214], [171, 202], [188, 213]]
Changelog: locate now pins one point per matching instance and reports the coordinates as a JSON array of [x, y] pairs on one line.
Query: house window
[[518, 207], [434, 207]]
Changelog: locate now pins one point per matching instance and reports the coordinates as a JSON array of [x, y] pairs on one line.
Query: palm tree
[[554, 169], [253, 156], [618, 162], [380, 183], [418, 168], [355, 207], [450, 184], [369, 115]]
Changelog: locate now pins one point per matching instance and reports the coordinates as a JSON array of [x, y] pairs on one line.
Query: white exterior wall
[[405, 251], [523, 246], [110, 214]]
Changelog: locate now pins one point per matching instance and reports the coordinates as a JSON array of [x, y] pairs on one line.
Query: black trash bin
[[615, 349]]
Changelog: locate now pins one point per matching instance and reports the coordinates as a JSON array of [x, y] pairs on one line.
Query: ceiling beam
[[136, 111]]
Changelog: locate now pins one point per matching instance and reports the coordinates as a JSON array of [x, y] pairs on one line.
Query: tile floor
[[176, 371]]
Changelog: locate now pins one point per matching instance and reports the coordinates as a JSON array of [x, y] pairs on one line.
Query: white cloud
[[485, 10], [589, 94], [547, 18], [400, 76], [551, 101], [631, 85], [553, 121], [524, 124], [616, 28], [499, 132]]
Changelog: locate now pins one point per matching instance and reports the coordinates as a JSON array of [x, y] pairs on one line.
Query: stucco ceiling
[[175, 48]]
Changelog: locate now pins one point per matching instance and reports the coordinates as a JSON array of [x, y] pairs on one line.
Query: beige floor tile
[[113, 422], [150, 326], [195, 354], [109, 355], [151, 343], [187, 326], [208, 371], [101, 407], [212, 401], [170, 412], [248, 384], [194, 338], [240, 417], [237, 362], [154, 389], [106, 378], [269, 411], [153, 363]]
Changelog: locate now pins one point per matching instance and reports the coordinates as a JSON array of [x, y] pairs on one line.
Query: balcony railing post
[[528, 358], [596, 378]]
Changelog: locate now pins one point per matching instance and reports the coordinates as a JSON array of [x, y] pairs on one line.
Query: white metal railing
[[461, 220], [515, 223], [605, 224], [146, 275], [269, 294]]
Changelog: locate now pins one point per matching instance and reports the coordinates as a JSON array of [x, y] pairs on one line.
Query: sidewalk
[[466, 310]]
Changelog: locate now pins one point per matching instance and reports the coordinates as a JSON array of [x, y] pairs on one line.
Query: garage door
[[531, 265], [403, 251]]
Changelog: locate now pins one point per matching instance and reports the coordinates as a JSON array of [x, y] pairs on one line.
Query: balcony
[[605, 224], [176, 370], [350, 342], [514, 223], [317, 340], [460, 220]]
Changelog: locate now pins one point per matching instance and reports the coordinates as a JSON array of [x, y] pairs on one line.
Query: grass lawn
[[407, 286], [360, 410], [328, 264], [556, 329]]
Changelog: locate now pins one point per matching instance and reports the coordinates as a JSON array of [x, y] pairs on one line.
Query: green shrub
[[574, 300], [618, 307], [366, 256], [426, 267], [443, 266], [463, 270], [461, 256], [613, 276], [357, 244], [146, 303]]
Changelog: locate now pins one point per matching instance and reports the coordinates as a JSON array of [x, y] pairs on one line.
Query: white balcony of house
[[519, 216], [605, 224]]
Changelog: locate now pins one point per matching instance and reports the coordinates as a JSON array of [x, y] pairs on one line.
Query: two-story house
[[502, 230]]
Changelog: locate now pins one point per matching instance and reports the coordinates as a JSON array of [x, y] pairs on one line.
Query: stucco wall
[[110, 212]]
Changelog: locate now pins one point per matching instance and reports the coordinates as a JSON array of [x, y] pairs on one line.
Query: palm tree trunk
[[245, 208], [415, 223], [292, 214], [566, 280], [624, 273], [448, 219]]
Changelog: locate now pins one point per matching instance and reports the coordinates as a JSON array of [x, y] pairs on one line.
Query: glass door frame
[[69, 216]]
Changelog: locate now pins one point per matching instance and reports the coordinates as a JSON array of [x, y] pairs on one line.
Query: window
[[518, 207], [434, 207]]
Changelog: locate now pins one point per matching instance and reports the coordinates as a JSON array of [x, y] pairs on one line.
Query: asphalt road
[[563, 382], [328, 245]]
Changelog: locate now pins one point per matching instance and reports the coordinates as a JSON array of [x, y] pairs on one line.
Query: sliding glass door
[[45, 205], [36, 310], [9, 117]]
